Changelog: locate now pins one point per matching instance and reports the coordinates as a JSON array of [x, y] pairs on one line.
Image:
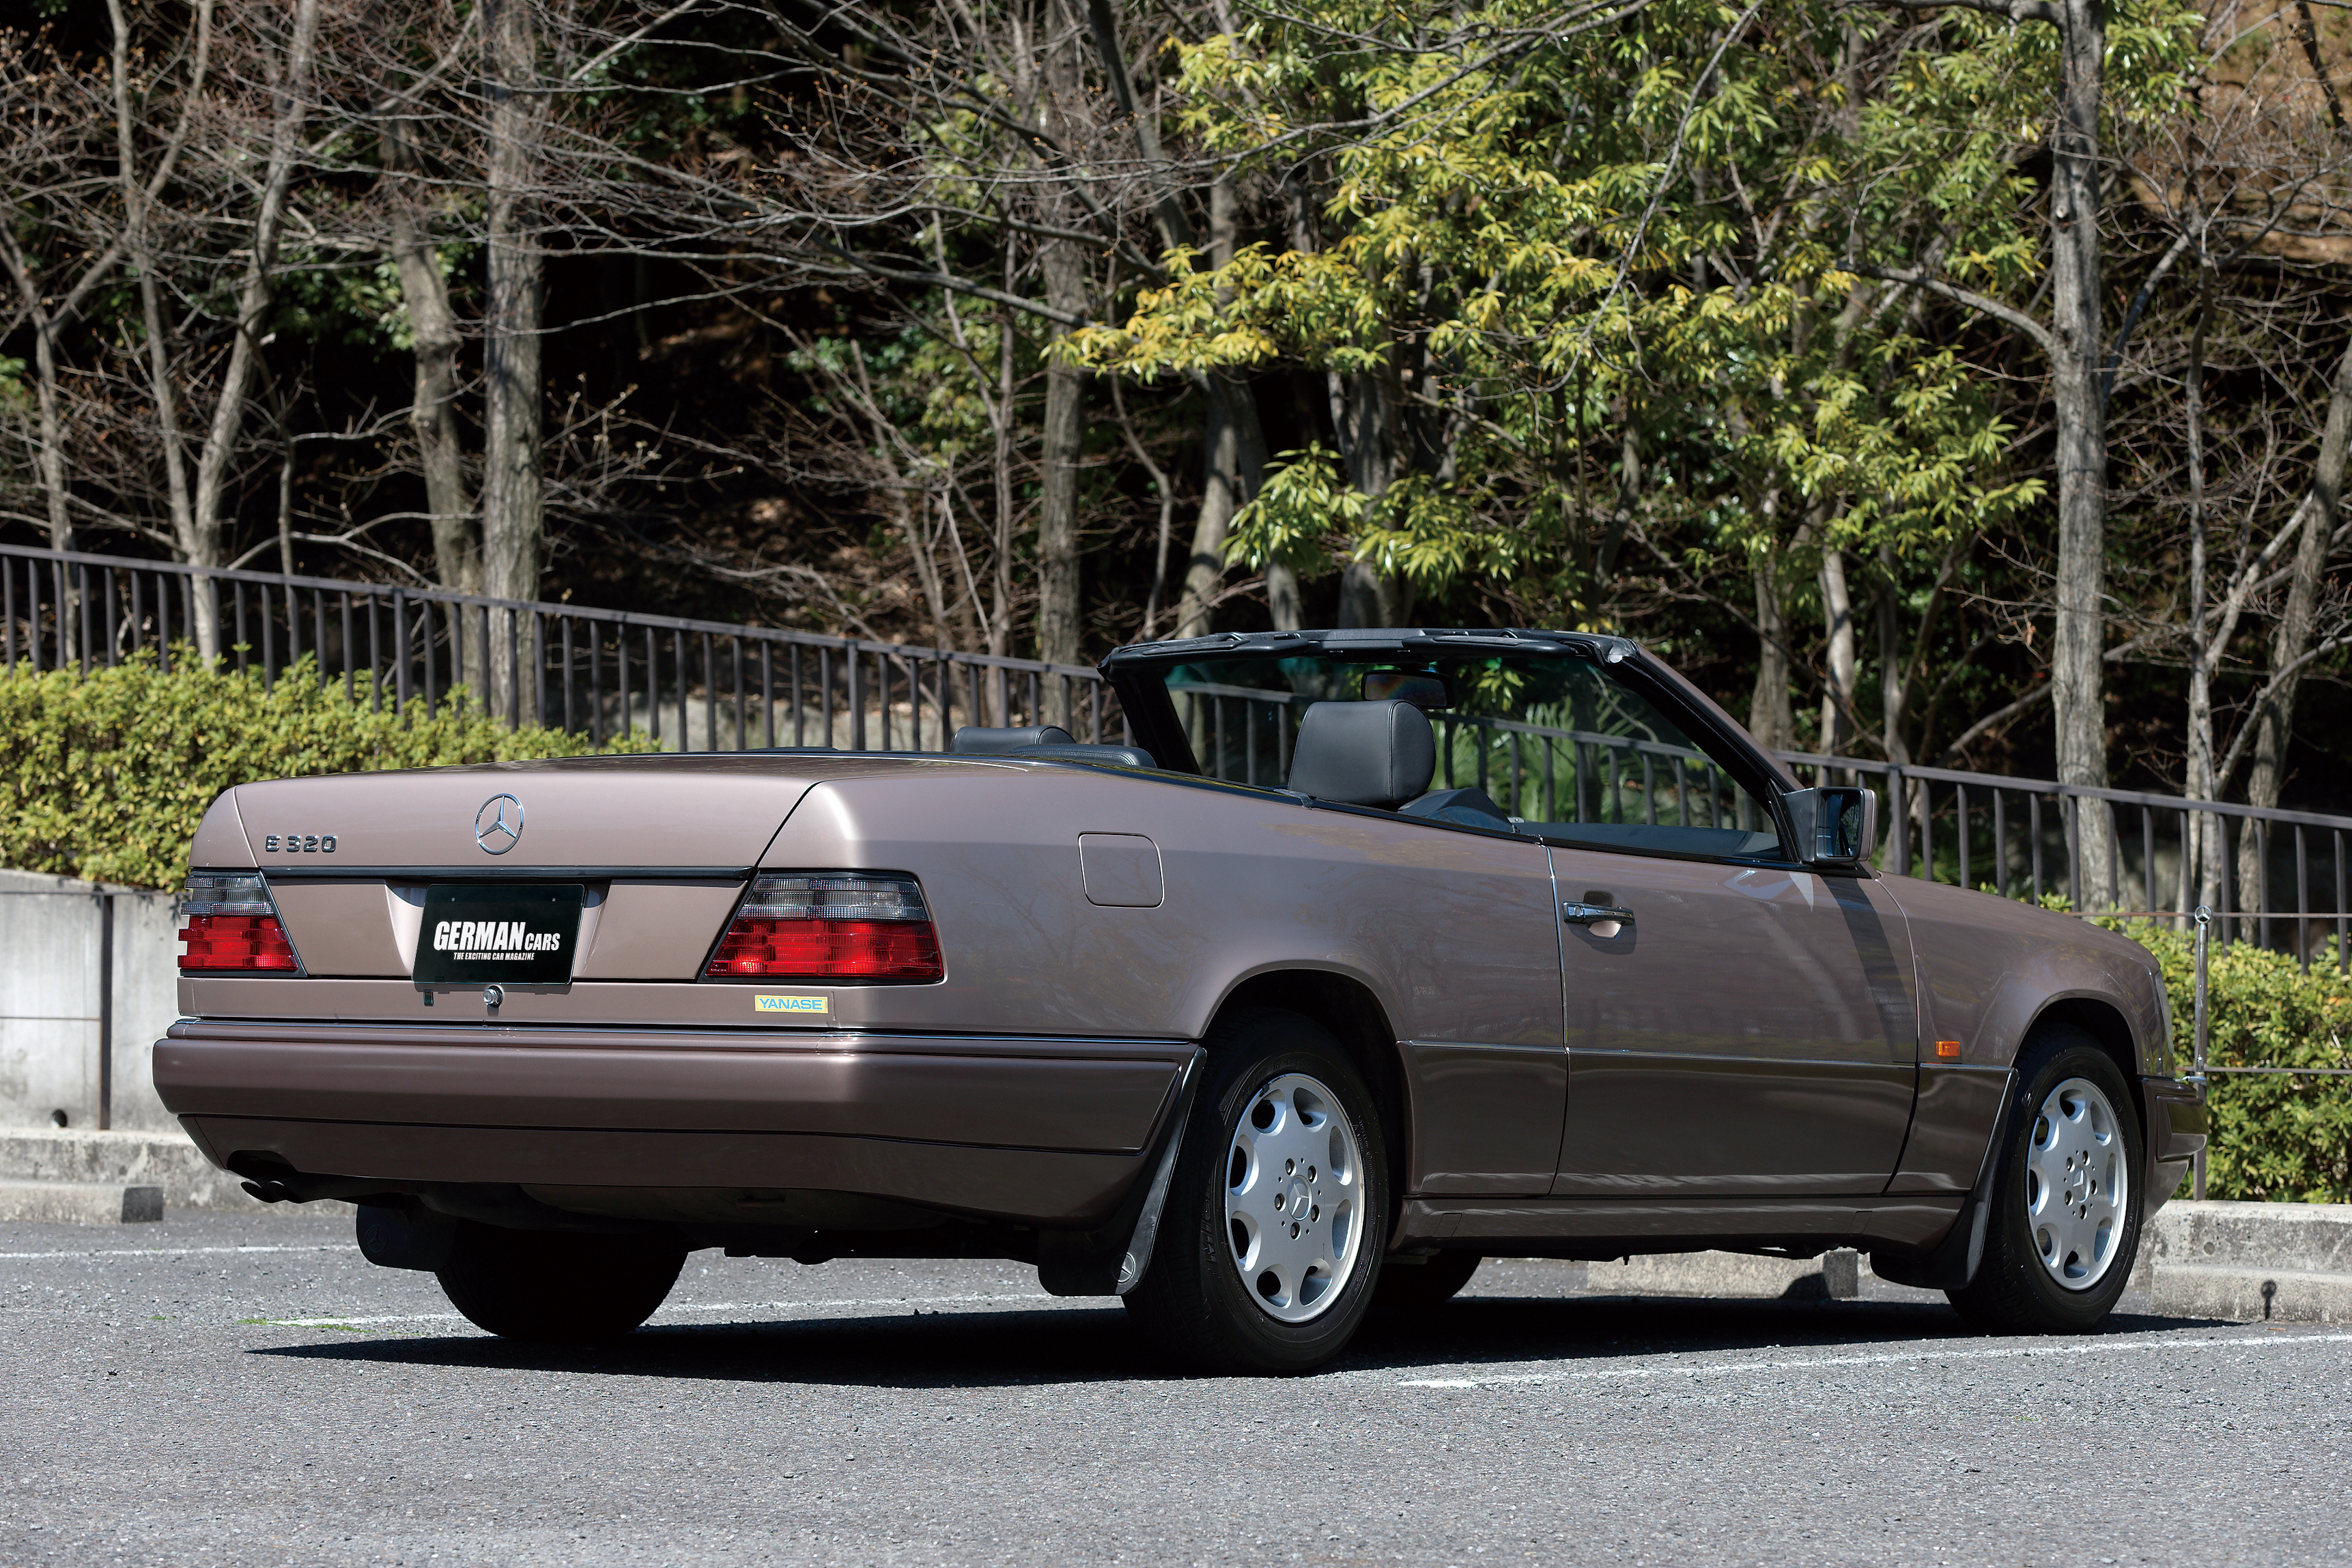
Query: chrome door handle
[[1592, 914]]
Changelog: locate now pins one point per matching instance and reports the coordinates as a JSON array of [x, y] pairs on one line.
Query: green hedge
[[105, 776], [2274, 1137]]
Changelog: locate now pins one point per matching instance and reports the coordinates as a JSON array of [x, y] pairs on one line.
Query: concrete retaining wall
[[63, 982]]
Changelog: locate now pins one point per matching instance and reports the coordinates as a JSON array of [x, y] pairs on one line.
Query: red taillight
[[847, 949], [830, 928], [232, 925], [236, 942]]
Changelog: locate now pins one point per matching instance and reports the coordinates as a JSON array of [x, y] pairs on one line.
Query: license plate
[[513, 935]]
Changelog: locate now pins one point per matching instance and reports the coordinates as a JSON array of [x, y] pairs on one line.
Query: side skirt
[[1596, 1229]]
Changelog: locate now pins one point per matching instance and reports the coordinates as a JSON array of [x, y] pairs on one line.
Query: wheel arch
[[1354, 1013], [2106, 1024]]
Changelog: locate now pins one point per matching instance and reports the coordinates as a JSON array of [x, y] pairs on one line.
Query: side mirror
[[1835, 825]]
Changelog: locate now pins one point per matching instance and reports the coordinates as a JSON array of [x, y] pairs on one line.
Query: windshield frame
[[1138, 673]]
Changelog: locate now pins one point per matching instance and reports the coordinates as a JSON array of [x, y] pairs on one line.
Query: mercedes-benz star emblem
[[497, 826]]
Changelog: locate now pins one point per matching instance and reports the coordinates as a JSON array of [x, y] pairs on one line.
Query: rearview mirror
[[1835, 825], [1418, 689]]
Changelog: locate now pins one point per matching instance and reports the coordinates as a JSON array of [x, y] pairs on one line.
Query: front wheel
[[1279, 1210], [2065, 1195], [556, 1288]]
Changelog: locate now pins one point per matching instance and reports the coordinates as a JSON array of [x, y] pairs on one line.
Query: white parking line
[[707, 1308], [1796, 1364], [181, 1251]]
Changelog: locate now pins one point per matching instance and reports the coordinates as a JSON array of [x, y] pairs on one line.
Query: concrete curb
[[80, 1202], [2239, 1263], [2316, 1238], [166, 1163], [2253, 1295], [1833, 1276]]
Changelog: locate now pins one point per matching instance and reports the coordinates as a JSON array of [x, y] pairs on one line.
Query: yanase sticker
[[791, 1004], [512, 933]]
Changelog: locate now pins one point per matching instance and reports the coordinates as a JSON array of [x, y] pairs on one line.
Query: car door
[[1750, 1030]]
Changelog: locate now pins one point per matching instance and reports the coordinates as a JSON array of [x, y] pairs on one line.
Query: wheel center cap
[[1299, 1200]]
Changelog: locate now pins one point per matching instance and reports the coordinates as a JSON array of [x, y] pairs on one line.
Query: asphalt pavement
[[219, 1389]]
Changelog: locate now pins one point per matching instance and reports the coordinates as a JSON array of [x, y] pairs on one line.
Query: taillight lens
[[232, 925], [831, 928]]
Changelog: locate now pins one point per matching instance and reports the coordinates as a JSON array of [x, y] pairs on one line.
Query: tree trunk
[[432, 405], [2079, 645], [1283, 605], [216, 462], [1837, 625], [1360, 416], [1893, 685], [1771, 717], [1061, 441], [2292, 636], [190, 544], [1629, 496], [2201, 854], [1232, 451], [513, 507], [49, 460]]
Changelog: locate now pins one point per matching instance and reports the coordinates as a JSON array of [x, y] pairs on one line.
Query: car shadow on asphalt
[[1070, 1344]]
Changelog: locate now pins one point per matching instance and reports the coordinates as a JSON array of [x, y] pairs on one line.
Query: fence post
[[105, 1009], [2343, 959], [1898, 819], [2070, 814], [2204, 918], [399, 653], [856, 698]]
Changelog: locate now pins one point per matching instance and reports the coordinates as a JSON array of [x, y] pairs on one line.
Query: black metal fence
[[689, 685], [712, 685]]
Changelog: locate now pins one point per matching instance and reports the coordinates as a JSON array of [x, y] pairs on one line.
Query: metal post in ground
[[105, 1011], [2204, 919]]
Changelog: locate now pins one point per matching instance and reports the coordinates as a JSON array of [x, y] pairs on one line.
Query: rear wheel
[[556, 1288], [1407, 1289], [2065, 1196], [1279, 1210]]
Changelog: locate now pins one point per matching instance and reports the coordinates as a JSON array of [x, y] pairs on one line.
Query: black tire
[[556, 1289], [1193, 1302], [2015, 1292], [1408, 1289]]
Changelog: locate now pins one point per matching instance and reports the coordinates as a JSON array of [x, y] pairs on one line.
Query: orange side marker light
[[1948, 1051]]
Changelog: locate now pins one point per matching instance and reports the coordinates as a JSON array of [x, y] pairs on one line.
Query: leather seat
[[1363, 754]]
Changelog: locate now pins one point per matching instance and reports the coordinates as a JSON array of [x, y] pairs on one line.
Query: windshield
[[1559, 745]]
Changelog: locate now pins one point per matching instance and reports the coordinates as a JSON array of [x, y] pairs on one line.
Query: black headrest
[[1363, 754], [972, 738]]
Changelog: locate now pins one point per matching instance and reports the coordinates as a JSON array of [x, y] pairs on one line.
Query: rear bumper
[[1031, 1131]]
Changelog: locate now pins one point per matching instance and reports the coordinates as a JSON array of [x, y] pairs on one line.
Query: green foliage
[[1539, 237], [2275, 1137], [105, 776]]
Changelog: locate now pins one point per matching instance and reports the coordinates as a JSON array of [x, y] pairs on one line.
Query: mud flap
[[1110, 1259], [405, 1237], [1953, 1262]]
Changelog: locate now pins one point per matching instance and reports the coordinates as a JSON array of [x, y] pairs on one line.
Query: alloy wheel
[[2076, 1184], [1293, 1185]]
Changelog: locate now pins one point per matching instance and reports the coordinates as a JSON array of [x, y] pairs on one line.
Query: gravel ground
[[222, 1389]]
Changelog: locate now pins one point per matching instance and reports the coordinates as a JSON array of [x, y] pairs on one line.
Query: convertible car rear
[[1374, 953]]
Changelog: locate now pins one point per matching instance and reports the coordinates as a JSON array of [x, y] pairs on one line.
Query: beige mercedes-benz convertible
[[1377, 952]]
